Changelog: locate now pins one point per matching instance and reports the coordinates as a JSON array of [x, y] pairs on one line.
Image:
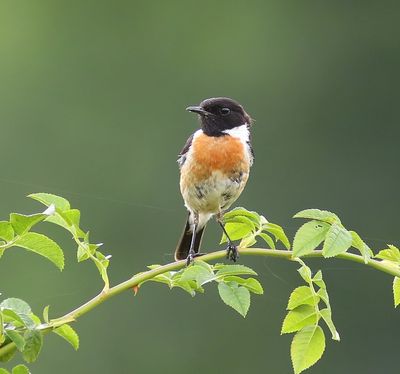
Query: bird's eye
[[225, 111]]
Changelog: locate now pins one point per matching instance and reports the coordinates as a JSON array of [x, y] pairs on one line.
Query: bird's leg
[[232, 251], [192, 253]]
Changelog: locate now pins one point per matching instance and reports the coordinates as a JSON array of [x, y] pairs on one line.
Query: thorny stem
[[141, 277]]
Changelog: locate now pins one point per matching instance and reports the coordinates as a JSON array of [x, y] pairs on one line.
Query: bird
[[214, 168]]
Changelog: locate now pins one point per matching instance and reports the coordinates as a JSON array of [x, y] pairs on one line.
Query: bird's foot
[[189, 259], [191, 256], [232, 252]]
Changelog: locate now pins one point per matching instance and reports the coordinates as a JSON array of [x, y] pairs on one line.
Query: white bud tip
[[50, 210]]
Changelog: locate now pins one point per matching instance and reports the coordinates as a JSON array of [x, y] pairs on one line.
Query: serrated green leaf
[[171, 274], [317, 279], [23, 223], [302, 296], [234, 270], [393, 248], [296, 319], [242, 219], [305, 273], [69, 220], [8, 356], [48, 199], [392, 253], [247, 242], [235, 296], [338, 240], [254, 216], [17, 339], [20, 369], [6, 231], [396, 291], [238, 228], [19, 319], [46, 313], [33, 345], [82, 253], [69, 334], [58, 220], [2, 336], [326, 315], [204, 264], [319, 215], [198, 273], [2, 332], [252, 284], [10, 316], [103, 259], [317, 276], [307, 348], [267, 239], [308, 237], [166, 278], [323, 294], [359, 244], [278, 232], [43, 246], [71, 216], [103, 271], [35, 319], [188, 286], [17, 305], [162, 278], [177, 277], [4, 371]]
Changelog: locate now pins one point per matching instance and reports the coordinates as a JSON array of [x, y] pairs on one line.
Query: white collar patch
[[242, 132]]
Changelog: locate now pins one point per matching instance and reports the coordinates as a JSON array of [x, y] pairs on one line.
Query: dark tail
[[182, 249]]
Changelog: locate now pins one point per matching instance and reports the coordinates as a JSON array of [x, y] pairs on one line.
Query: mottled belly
[[214, 173], [214, 194]]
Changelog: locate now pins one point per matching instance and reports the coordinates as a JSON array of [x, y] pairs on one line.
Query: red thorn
[[135, 289]]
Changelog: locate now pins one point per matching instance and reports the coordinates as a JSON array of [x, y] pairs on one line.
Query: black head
[[218, 114]]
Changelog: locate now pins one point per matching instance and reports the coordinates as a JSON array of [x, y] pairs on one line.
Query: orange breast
[[224, 153]]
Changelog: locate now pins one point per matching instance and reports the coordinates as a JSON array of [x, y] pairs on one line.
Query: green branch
[[147, 275], [307, 307], [141, 277]]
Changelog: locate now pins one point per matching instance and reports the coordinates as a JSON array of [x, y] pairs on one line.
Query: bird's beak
[[197, 109]]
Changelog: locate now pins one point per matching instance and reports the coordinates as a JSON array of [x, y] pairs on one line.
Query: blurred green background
[[92, 98]]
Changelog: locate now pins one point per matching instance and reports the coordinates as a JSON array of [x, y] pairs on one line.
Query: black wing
[[251, 151], [184, 151], [250, 147]]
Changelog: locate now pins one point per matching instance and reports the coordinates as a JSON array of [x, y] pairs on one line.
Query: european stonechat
[[214, 165]]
